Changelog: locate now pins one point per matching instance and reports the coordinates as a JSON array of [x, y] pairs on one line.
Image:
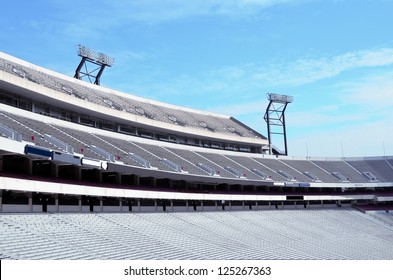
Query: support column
[[55, 170], [136, 180], [1, 201], [78, 174], [101, 205], [139, 205], [80, 203], [118, 178], [30, 196], [30, 167], [57, 207], [121, 205], [99, 176]]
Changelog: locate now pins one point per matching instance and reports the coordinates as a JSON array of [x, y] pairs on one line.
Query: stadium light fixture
[[279, 98], [90, 56], [275, 116], [95, 56]]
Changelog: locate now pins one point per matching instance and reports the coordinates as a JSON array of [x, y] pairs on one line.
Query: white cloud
[[305, 71], [254, 77], [362, 123], [374, 92]]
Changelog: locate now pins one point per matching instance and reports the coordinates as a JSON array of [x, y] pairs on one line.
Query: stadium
[[87, 172]]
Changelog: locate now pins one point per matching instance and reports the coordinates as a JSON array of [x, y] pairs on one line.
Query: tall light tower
[[91, 58], [275, 116]]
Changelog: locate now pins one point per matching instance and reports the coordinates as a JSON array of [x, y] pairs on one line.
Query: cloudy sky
[[335, 57]]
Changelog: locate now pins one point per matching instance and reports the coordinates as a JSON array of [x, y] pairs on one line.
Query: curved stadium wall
[[68, 145]]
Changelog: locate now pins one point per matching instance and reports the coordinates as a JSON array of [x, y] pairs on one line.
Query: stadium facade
[[68, 145]]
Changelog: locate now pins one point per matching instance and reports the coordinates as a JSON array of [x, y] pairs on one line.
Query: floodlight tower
[[275, 116], [93, 59]]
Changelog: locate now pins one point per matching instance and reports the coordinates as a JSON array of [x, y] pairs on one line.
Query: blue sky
[[335, 57]]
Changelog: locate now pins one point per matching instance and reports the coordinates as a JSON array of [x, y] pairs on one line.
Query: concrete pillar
[[30, 196], [171, 205], [80, 203], [30, 167], [136, 180], [121, 205], [1, 201], [101, 205], [99, 176], [55, 170], [78, 174], [139, 205], [201, 205], [57, 207]]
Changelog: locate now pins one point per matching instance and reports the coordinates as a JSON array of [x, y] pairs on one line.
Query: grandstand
[[88, 172]]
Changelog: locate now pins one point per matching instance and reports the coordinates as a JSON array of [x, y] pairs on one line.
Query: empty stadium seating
[[132, 105], [275, 234], [225, 164]]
